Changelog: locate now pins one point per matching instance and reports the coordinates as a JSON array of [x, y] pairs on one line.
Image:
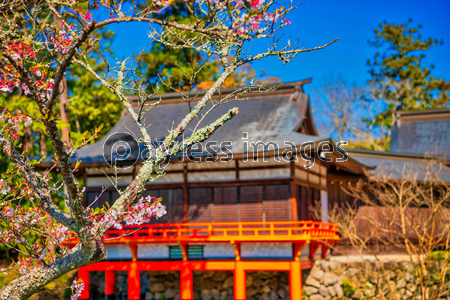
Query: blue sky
[[317, 22]]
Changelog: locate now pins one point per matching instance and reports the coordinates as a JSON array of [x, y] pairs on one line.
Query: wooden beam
[[294, 209], [185, 194]]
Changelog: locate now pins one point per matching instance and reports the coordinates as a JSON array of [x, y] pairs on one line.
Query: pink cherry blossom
[[257, 4], [28, 122], [239, 4], [6, 88], [59, 234], [144, 211], [77, 287], [26, 90], [4, 187]]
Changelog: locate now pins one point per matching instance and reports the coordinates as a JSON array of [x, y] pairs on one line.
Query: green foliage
[[20, 104], [348, 287], [379, 144], [90, 104], [440, 255], [399, 76]]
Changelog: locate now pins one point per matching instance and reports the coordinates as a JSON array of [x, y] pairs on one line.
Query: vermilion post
[[239, 281], [293, 187], [110, 282], [295, 280], [186, 283], [324, 251], [314, 246], [134, 284], [83, 274]]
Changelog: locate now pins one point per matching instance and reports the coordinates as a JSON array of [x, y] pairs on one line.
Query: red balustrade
[[224, 232]]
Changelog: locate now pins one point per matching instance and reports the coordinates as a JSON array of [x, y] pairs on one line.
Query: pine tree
[[399, 75]]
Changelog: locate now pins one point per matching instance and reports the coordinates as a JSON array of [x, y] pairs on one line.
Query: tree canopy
[[399, 75]]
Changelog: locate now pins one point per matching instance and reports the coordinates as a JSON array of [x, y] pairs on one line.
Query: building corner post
[[240, 287], [295, 280], [134, 278], [83, 274], [186, 283], [110, 283]]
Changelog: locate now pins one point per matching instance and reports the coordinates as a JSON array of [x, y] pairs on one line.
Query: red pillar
[[294, 209], [295, 280], [134, 284], [186, 283], [83, 274], [324, 251], [110, 282], [240, 289], [314, 246]]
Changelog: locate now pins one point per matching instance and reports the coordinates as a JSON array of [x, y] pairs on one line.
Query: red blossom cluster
[[19, 220], [255, 17], [62, 41], [21, 51], [59, 234], [8, 79], [12, 123], [88, 16], [8, 190], [24, 265]]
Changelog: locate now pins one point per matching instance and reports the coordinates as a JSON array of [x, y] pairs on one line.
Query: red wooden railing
[[224, 232]]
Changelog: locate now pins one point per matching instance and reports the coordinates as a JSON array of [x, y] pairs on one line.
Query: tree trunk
[[25, 286], [42, 145], [63, 104]]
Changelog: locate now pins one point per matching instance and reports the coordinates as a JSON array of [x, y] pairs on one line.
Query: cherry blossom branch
[[284, 53], [128, 197], [25, 76], [179, 129], [66, 63], [38, 186], [75, 194], [122, 97], [213, 31], [60, 151]]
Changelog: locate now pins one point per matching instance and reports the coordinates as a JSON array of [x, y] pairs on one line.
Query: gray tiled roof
[[266, 118], [393, 166], [424, 132]]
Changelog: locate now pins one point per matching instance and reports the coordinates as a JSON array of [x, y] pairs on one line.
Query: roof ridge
[[177, 97]]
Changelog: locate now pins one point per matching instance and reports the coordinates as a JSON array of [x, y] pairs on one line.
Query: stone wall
[[213, 285], [208, 285], [329, 280], [267, 285], [160, 285], [219, 285], [154, 285]]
